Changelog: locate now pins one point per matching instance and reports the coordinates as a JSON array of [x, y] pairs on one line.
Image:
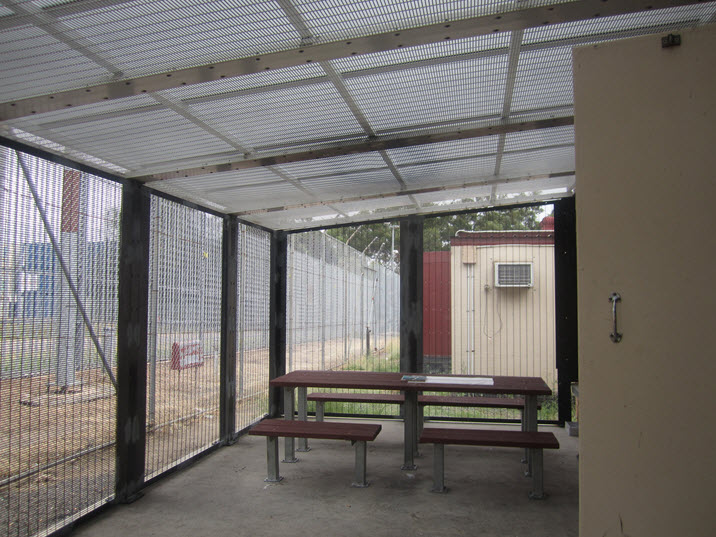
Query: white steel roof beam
[[484, 25], [379, 144], [335, 78], [417, 191], [297, 21], [297, 184], [512, 63], [177, 108], [436, 126], [340, 86], [442, 60]]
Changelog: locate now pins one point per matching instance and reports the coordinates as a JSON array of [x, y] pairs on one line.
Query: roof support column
[[229, 302], [565, 280], [411, 294], [277, 317], [132, 343]]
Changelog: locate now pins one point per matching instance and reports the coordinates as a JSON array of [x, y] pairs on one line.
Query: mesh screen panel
[[253, 290], [343, 302], [305, 112], [472, 326], [58, 287], [184, 334], [434, 93]]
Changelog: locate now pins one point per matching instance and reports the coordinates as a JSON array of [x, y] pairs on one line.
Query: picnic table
[[528, 387]]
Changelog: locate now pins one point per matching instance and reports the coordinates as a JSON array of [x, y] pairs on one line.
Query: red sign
[[187, 354]]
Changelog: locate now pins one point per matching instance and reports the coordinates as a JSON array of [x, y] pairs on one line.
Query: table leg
[[410, 428], [289, 453], [530, 424], [302, 415]]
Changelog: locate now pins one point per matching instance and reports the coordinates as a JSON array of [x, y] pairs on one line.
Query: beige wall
[[502, 331], [645, 120]]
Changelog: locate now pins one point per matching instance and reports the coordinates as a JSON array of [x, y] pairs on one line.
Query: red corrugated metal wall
[[436, 304]]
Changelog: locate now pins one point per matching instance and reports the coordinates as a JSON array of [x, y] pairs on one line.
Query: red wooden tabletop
[[374, 380]]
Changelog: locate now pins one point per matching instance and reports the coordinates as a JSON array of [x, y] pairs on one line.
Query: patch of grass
[[23, 328], [359, 409], [385, 359]]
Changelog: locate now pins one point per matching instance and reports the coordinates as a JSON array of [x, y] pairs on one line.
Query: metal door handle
[[615, 336]]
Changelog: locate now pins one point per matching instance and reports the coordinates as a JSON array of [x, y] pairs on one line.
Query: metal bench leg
[[302, 415], [320, 412], [289, 454], [360, 468], [438, 468], [272, 460], [537, 492]]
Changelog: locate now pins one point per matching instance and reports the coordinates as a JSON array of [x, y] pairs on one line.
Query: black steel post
[[411, 294], [277, 315], [565, 276], [229, 269], [133, 294]]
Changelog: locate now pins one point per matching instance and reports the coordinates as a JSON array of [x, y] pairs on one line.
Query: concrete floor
[[225, 493]]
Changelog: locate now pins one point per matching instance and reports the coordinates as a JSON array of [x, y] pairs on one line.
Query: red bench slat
[[486, 437], [486, 402], [517, 403], [355, 432], [388, 398]]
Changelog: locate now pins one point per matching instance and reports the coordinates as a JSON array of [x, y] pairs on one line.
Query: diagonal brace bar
[[65, 268]]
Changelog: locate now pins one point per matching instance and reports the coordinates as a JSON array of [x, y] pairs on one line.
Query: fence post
[[132, 343], [565, 281], [411, 294], [277, 315], [229, 267]]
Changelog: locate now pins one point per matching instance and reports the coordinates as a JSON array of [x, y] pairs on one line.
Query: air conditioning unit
[[514, 275]]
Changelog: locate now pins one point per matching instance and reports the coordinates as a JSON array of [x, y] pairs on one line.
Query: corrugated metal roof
[[301, 113]]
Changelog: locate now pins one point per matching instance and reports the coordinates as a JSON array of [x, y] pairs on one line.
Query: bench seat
[[533, 440], [357, 433], [321, 398]]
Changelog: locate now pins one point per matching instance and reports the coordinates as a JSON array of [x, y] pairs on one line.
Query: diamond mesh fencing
[[59, 231]]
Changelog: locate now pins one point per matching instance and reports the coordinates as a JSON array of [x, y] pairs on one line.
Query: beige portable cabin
[[503, 303]]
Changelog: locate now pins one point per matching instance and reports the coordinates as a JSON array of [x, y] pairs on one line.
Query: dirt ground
[[57, 449]]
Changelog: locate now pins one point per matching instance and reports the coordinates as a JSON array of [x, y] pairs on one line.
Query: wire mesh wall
[[344, 301], [488, 299], [253, 285], [59, 233], [183, 334]]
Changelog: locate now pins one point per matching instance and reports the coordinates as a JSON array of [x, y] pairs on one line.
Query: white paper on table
[[472, 381]]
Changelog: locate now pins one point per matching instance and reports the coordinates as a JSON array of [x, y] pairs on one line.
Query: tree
[[439, 230], [375, 240]]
